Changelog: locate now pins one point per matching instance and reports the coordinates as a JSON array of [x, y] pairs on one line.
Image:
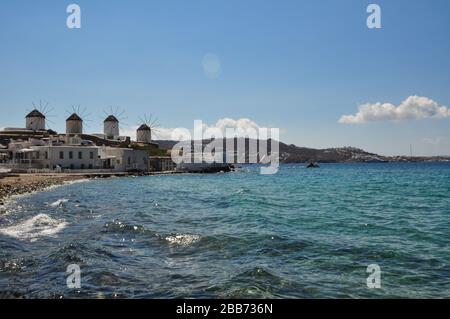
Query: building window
[[71, 166], [80, 155], [91, 154], [46, 155], [129, 160], [82, 166], [70, 155], [90, 166], [118, 162], [61, 155]]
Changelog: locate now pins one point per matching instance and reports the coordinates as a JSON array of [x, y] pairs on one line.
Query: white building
[[33, 149], [53, 154], [76, 154], [124, 159]]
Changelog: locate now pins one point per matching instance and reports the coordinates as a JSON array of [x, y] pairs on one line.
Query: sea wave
[[119, 227], [59, 202], [242, 190], [12, 265], [34, 228], [258, 282], [182, 239], [77, 181]]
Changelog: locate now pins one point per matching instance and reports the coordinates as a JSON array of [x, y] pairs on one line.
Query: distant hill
[[295, 154]]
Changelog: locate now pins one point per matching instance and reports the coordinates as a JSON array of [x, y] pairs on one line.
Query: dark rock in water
[[313, 165], [11, 295]]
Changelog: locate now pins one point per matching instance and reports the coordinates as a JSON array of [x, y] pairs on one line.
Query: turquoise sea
[[301, 233]]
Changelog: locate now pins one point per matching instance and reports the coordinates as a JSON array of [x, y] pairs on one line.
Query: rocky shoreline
[[26, 183], [20, 184]]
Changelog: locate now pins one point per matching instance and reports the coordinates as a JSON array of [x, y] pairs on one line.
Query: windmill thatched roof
[[35, 113], [144, 127], [111, 118], [74, 117]]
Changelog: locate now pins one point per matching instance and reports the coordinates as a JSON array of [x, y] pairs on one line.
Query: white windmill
[[144, 131], [74, 123], [36, 118], [111, 124]]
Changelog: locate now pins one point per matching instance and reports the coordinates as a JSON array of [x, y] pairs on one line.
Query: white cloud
[[413, 108], [241, 124], [162, 133]]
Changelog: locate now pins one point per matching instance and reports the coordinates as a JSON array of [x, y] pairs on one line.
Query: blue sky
[[296, 65]]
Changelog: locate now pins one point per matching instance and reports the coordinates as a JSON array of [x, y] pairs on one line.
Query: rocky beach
[[28, 183], [19, 184]]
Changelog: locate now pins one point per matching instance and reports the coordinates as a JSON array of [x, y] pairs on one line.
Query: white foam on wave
[[242, 191], [77, 181], [32, 229], [59, 202], [55, 186], [182, 239]]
